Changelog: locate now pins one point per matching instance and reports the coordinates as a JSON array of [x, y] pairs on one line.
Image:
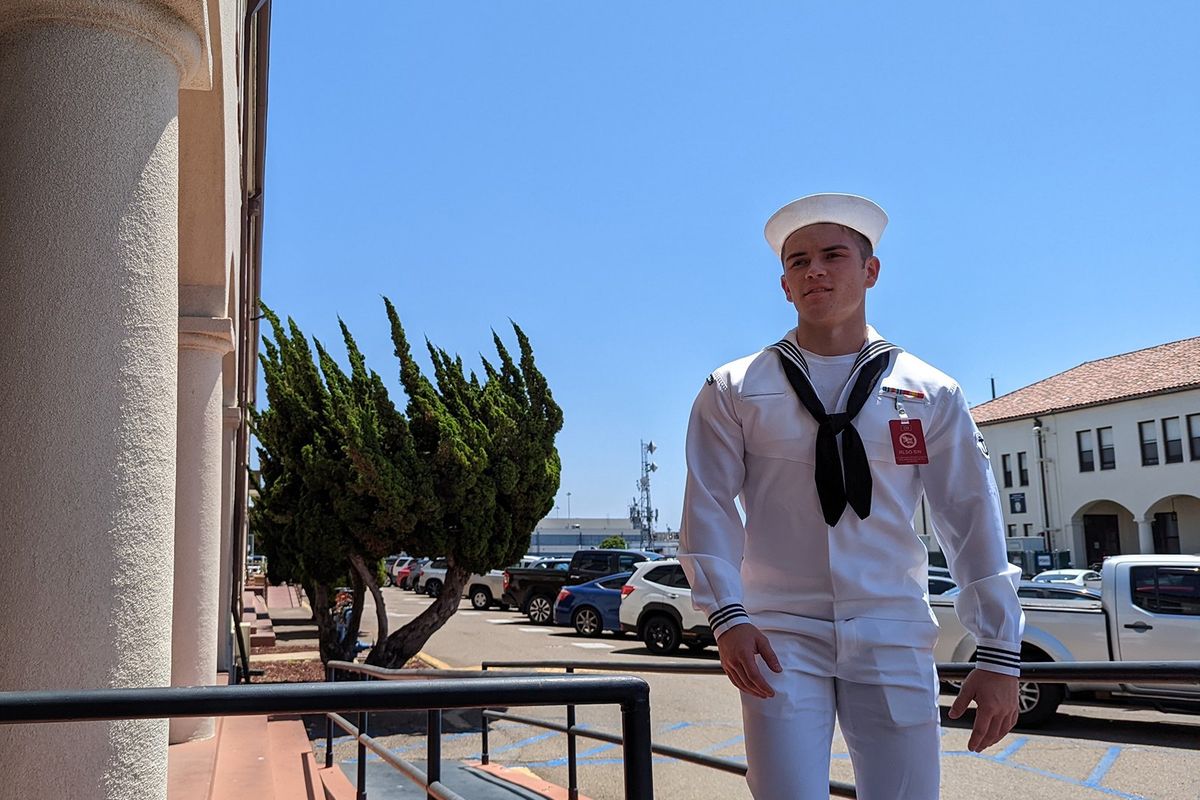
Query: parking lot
[[1087, 752]]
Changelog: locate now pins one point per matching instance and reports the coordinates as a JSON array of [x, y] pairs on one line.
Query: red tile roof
[[1165, 368]]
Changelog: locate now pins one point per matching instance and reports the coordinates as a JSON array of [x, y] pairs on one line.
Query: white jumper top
[[785, 569]]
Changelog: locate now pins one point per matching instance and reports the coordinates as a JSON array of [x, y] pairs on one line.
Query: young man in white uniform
[[828, 438]]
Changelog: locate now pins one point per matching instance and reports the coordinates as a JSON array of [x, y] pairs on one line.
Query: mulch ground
[[301, 671], [262, 650]]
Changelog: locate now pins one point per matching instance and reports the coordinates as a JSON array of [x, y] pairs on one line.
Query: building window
[[1172, 441], [1194, 435], [1022, 470], [1087, 457], [1006, 463], [1012, 531], [1027, 529], [1108, 453], [1149, 443]]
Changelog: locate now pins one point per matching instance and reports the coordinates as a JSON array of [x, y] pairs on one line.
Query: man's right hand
[[739, 647]]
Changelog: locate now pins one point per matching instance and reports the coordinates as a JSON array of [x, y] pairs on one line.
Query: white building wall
[[1132, 492]]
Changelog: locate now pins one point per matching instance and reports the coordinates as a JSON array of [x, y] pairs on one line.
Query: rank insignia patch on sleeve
[[981, 444], [710, 380]]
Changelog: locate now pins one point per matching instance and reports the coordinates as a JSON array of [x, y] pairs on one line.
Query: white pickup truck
[[1149, 610]]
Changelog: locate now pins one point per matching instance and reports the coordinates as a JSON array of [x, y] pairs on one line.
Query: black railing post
[[362, 758], [483, 719], [433, 747], [572, 746], [330, 676], [635, 730]]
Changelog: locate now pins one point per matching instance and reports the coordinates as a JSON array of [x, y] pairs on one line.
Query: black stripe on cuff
[[725, 614], [985, 658], [999, 652]]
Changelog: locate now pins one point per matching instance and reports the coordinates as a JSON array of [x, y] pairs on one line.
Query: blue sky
[[601, 172]]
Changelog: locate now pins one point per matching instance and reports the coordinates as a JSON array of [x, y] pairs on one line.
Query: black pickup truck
[[534, 589]]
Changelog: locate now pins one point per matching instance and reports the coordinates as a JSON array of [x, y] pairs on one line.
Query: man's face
[[824, 275]]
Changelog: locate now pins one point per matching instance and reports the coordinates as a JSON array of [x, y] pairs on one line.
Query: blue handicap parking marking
[[1092, 782]]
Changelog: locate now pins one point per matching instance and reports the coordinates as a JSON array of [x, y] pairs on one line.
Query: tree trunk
[[396, 650], [333, 646], [368, 578]]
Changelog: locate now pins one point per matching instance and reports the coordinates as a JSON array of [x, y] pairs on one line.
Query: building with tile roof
[[1104, 458]]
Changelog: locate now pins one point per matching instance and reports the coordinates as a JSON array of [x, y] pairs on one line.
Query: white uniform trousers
[[893, 731]]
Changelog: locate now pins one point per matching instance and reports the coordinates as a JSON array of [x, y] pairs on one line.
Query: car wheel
[[587, 621], [433, 587], [481, 598], [1037, 702], [661, 635], [539, 609]]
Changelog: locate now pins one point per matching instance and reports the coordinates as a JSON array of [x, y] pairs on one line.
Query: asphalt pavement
[[1087, 752]]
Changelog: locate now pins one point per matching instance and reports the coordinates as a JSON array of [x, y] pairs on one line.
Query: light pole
[[568, 505]]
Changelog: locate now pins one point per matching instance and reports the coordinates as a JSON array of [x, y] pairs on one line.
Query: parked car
[[432, 576], [486, 590], [591, 607], [417, 574], [533, 590], [404, 575], [398, 563], [940, 585], [1078, 577], [656, 604], [1030, 590], [1148, 610]]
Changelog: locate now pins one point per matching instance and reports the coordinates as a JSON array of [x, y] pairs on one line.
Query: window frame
[[1006, 470], [1090, 466], [1155, 605], [1148, 459], [1167, 459], [1193, 433], [1101, 447], [1022, 468]]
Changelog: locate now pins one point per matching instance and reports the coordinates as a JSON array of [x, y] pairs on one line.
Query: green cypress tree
[[466, 471]]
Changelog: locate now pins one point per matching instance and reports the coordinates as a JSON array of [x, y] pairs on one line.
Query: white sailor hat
[[850, 210]]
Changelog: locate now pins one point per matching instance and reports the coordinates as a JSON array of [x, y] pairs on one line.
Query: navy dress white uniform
[[841, 595]]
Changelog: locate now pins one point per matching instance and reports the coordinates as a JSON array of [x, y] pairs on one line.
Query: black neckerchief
[[836, 486]]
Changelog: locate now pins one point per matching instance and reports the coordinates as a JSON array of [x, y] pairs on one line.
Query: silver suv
[[656, 604]]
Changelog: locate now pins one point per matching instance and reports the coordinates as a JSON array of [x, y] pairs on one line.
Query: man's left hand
[[995, 697]]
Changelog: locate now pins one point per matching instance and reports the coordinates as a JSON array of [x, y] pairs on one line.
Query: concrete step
[[293, 767], [243, 770]]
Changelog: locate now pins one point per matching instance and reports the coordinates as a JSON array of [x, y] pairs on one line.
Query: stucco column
[[88, 316], [231, 417], [203, 342], [1145, 536]]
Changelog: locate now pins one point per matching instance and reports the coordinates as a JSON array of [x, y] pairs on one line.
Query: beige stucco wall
[[89, 169]]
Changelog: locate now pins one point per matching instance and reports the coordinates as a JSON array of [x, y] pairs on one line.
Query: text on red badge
[[908, 441]]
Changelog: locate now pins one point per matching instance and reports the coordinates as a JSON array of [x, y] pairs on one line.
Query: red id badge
[[908, 441]]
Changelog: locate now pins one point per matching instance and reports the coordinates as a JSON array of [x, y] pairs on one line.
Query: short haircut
[[864, 244]]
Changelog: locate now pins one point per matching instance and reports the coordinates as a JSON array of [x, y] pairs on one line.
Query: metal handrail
[[632, 694], [1186, 672], [1183, 672]]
